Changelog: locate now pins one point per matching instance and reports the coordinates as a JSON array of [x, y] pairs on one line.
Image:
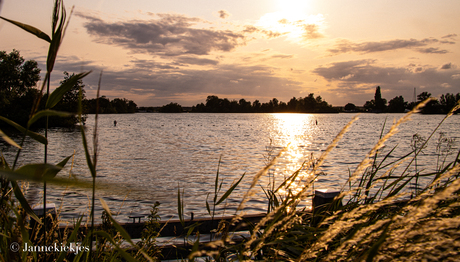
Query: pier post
[[324, 203]]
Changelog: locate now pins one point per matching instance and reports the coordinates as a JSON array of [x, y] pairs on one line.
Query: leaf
[[9, 140], [14, 176], [207, 205], [59, 92], [56, 35], [195, 248], [52, 174], [217, 180], [38, 171], [22, 200], [35, 172], [35, 136], [180, 207], [45, 113], [37, 32], [230, 190], [87, 155], [89, 163]]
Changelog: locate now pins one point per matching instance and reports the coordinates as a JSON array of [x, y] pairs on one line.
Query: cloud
[[282, 56], [223, 14], [197, 61], [346, 46], [358, 78], [250, 29], [150, 83], [432, 50], [450, 36], [170, 35], [311, 31], [447, 66]]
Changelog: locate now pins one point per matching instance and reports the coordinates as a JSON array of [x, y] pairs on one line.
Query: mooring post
[[324, 203]]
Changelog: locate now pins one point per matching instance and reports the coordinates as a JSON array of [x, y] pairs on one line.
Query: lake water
[[148, 156]]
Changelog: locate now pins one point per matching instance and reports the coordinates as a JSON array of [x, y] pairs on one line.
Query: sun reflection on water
[[295, 131]]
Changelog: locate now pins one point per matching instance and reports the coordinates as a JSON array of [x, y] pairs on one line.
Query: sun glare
[[291, 19], [292, 6]]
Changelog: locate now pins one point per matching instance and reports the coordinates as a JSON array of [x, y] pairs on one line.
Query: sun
[[292, 18], [293, 8]]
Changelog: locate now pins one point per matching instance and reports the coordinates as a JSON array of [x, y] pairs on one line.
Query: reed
[[382, 218], [387, 213], [15, 227]]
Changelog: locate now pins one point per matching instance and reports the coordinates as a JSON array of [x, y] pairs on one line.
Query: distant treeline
[[398, 104], [116, 106], [169, 108], [312, 104], [308, 104]]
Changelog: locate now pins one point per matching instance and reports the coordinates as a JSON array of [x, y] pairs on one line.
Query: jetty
[[174, 237]]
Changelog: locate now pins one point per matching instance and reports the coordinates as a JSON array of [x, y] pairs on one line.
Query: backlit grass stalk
[[338, 226], [351, 219], [288, 219], [91, 163], [280, 217]]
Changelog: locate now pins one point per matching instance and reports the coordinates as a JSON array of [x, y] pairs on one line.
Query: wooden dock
[[172, 234]]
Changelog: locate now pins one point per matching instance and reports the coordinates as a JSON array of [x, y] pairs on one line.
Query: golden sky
[[156, 52]]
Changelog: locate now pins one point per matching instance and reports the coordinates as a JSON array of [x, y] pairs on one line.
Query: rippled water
[[150, 156]]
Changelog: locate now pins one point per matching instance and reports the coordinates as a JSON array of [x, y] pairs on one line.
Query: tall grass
[[15, 228], [384, 212], [383, 217]]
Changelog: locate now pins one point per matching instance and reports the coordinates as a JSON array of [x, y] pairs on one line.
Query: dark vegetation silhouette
[[19, 92], [107, 106], [17, 79], [308, 104], [350, 107], [171, 108], [399, 105]]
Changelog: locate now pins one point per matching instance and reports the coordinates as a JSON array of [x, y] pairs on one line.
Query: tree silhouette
[[171, 108], [397, 105], [380, 103], [309, 104], [350, 107], [17, 79]]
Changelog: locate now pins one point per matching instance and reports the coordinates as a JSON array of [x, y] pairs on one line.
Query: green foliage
[[149, 235], [14, 227]]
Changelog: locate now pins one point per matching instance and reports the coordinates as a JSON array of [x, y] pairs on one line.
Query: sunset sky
[[155, 52]]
